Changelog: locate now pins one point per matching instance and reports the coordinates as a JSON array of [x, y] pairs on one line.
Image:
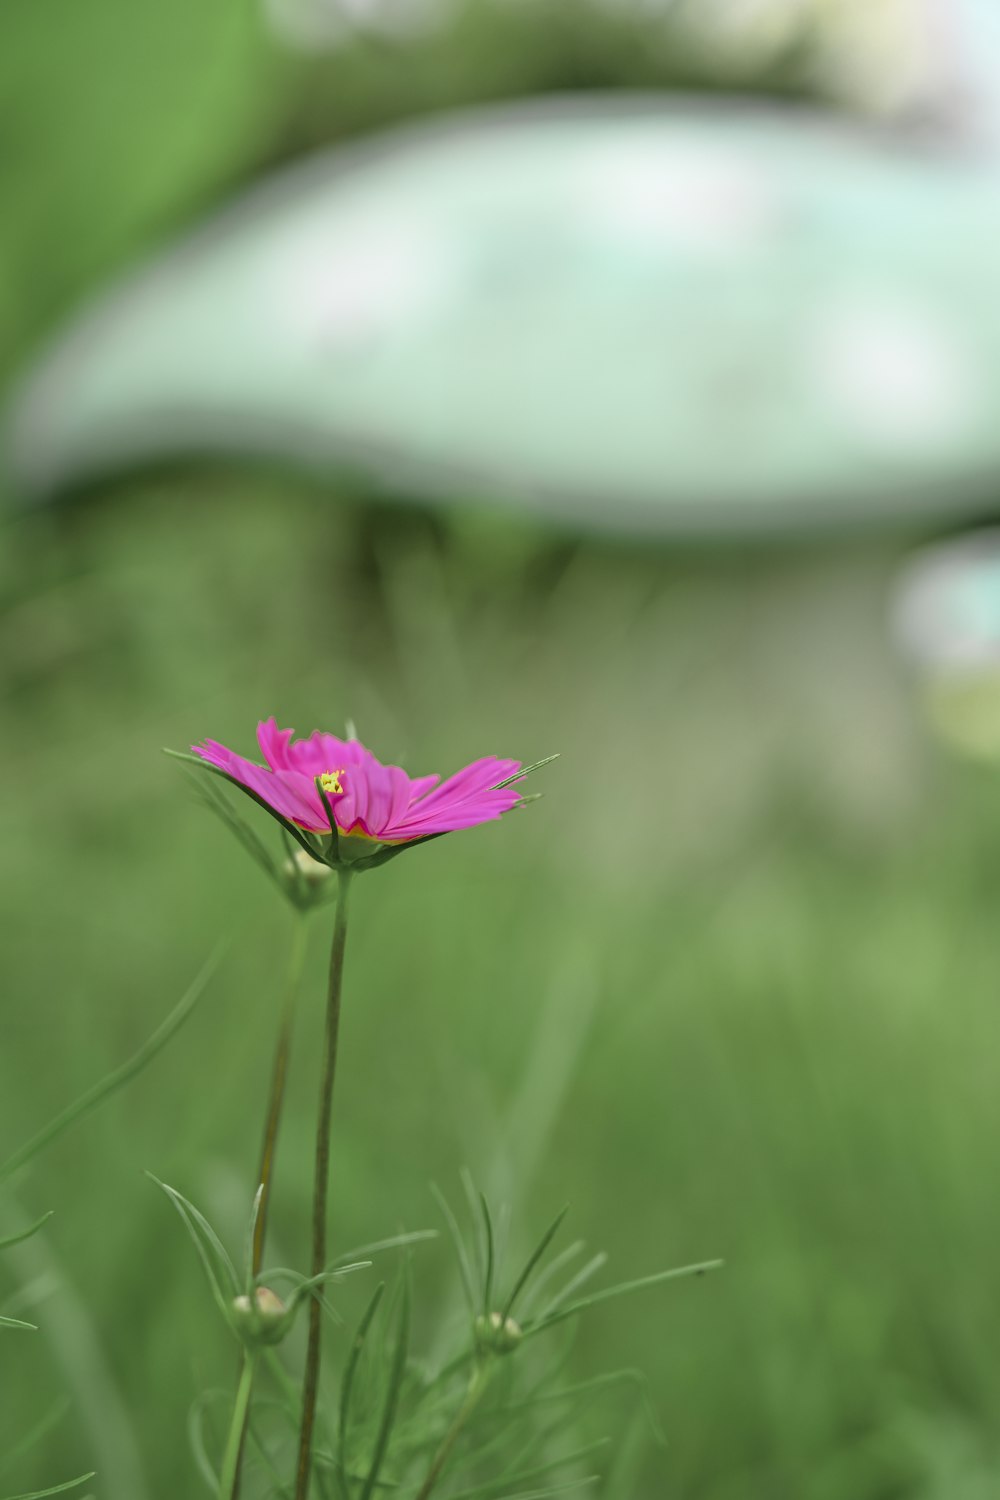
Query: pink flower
[[367, 799]]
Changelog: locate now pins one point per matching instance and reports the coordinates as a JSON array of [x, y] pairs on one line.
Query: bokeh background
[[730, 989]]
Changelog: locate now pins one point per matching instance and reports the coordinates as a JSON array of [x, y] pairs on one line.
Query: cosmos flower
[[323, 784]]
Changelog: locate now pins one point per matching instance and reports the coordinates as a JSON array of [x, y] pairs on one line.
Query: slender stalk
[[265, 1174], [229, 1476], [473, 1392], [310, 1388], [279, 1073]]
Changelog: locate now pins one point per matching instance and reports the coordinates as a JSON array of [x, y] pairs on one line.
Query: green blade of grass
[[350, 1371], [26, 1234], [533, 1259], [213, 799], [464, 1265], [56, 1489], [394, 1242], [118, 1077], [210, 1249], [490, 1254], [34, 1434], [493, 1487], [547, 1276], [396, 1372], [574, 1284], [701, 1268], [292, 829]]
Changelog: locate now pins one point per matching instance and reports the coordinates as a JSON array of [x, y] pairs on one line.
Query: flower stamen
[[330, 782]]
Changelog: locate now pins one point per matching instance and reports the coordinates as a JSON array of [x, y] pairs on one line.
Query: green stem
[[310, 1388], [229, 1476], [279, 1074], [265, 1175], [473, 1393]]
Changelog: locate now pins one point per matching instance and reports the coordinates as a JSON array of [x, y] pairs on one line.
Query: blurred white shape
[[895, 372], [684, 195], [976, 26], [946, 609], [945, 619], [341, 289], [631, 312]]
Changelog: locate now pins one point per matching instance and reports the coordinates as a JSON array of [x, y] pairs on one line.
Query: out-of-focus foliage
[[730, 988]]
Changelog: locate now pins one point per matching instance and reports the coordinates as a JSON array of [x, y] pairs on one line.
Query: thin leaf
[[216, 803], [396, 1373], [204, 1226], [476, 1219], [25, 1234], [210, 1249], [251, 1234], [350, 1370], [551, 1271], [196, 1436], [289, 1390], [490, 1254], [465, 1269], [536, 765], [119, 1076], [57, 1489], [574, 1392], [534, 1258], [309, 1285], [575, 1283], [496, 1486], [260, 1449], [553, 1489], [700, 1269], [395, 1242], [292, 829], [17, 1323], [287, 1273], [45, 1424]]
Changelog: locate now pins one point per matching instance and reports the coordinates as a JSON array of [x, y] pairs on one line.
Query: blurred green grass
[[730, 988]]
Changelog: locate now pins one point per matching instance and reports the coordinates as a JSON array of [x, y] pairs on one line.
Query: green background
[[729, 989]]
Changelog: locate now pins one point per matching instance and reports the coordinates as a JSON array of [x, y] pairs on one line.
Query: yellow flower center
[[330, 782]]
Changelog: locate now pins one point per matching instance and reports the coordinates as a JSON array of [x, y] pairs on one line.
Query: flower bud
[[264, 1320], [496, 1333], [302, 866]]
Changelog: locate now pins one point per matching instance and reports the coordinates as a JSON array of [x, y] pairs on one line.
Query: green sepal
[[218, 1267]]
